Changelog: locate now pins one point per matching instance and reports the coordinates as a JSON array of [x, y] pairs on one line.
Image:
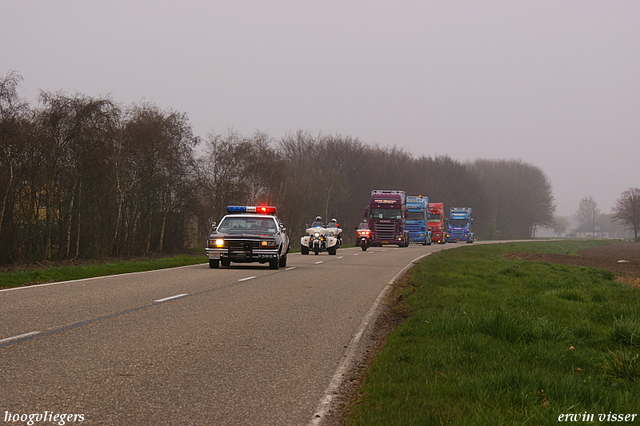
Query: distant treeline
[[84, 177]]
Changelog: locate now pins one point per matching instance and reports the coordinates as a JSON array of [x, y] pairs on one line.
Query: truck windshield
[[247, 225], [415, 215], [385, 213], [458, 222]]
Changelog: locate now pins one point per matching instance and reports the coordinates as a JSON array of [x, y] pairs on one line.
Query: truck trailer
[[387, 212], [416, 223], [459, 222]]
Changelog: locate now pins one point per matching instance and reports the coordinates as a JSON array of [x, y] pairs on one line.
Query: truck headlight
[[267, 243], [219, 243]]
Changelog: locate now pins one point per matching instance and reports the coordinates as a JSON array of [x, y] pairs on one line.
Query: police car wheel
[[273, 263]]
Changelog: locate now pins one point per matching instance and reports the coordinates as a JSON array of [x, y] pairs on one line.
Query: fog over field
[[552, 83]]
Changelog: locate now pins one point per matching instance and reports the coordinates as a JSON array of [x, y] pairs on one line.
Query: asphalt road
[[242, 345]]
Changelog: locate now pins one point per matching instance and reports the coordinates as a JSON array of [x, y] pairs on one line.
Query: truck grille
[[385, 231], [413, 227]]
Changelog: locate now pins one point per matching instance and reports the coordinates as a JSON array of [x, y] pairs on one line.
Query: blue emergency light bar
[[252, 209]]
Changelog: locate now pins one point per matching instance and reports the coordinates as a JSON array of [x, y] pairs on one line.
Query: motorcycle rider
[[364, 224], [317, 223], [363, 244], [334, 224]]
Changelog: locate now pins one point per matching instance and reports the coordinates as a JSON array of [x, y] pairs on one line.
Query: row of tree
[[625, 215], [87, 177]]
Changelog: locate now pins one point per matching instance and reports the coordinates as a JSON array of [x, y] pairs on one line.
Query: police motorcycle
[[364, 236], [319, 238]]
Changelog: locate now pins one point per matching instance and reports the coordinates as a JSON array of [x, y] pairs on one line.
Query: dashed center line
[[170, 298], [319, 262], [8, 339], [246, 279]]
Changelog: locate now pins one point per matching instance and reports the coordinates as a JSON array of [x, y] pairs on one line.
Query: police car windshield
[[248, 225]]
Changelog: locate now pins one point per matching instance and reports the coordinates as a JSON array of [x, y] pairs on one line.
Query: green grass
[[497, 341], [66, 273]]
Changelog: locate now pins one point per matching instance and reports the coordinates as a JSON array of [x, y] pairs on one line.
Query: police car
[[248, 234]]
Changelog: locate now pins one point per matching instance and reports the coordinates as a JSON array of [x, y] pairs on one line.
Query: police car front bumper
[[242, 256]]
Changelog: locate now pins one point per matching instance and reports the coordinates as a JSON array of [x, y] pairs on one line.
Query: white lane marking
[[290, 269], [170, 297], [319, 262], [8, 339], [339, 257], [355, 254], [246, 279]]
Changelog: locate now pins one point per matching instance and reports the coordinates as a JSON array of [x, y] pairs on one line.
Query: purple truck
[[387, 212]]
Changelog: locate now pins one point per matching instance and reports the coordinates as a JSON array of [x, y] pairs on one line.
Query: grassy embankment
[[94, 269], [496, 341]]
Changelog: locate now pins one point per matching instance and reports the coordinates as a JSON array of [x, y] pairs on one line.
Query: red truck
[[436, 223]]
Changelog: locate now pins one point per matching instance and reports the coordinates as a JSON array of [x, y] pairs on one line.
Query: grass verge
[[497, 341], [90, 270]]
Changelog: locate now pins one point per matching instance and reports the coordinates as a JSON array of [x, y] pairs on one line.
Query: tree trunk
[[79, 221], [73, 195], [6, 195], [118, 220], [164, 222], [48, 221]]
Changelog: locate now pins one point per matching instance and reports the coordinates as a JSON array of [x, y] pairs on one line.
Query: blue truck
[[417, 216], [459, 222]]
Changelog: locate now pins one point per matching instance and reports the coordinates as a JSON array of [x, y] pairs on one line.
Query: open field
[[512, 334]]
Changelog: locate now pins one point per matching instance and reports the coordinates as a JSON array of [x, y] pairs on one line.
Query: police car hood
[[241, 235]]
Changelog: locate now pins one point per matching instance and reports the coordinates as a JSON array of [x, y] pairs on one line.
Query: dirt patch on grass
[[621, 259]]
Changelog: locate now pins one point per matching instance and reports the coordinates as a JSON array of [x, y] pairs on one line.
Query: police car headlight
[[219, 243]]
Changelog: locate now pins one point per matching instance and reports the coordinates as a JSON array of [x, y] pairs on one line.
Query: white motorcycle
[[321, 239]]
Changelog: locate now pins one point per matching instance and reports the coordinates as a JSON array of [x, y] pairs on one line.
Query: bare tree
[[627, 211], [155, 160], [12, 111], [519, 195]]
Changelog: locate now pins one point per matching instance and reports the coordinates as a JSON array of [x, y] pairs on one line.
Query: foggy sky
[[554, 83]]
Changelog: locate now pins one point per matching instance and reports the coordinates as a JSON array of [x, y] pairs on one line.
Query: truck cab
[[437, 222], [387, 212], [459, 222], [417, 216]]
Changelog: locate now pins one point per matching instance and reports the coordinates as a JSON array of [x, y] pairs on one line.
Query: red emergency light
[[252, 209]]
